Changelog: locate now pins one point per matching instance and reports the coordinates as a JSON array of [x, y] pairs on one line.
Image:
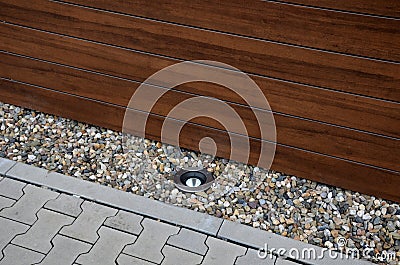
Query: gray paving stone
[[247, 235], [66, 204], [5, 202], [5, 165], [258, 238], [221, 252], [43, 230], [252, 258], [176, 256], [125, 221], [124, 259], [27, 172], [133, 203], [14, 255], [11, 188], [107, 248], [189, 240], [280, 261], [25, 209], [88, 222], [152, 239], [65, 251], [8, 230]]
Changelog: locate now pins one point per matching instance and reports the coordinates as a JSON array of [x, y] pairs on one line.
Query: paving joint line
[[190, 251], [5, 207], [14, 244], [119, 208], [13, 165], [245, 253], [59, 230], [138, 257], [56, 211], [211, 227], [87, 198], [15, 200]]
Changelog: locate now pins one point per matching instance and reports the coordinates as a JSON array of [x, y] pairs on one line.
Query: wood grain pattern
[[310, 27], [313, 136], [333, 107], [332, 78], [389, 8], [345, 73], [316, 167]]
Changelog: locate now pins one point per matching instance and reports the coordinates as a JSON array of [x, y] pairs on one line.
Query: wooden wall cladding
[[387, 8], [332, 78]]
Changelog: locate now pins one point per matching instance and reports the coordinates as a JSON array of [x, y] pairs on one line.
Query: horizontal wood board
[[293, 161], [362, 35], [330, 71]]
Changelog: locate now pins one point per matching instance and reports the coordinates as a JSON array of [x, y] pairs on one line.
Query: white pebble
[[367, 217]]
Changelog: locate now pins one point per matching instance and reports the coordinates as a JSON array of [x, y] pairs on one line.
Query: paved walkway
[[49, 218]]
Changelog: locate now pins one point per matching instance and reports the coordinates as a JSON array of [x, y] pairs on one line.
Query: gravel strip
[[286, 205]]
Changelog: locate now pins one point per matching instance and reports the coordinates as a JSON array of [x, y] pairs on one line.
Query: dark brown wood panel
[[345, 73], [313, 136], [310, 27], [388, 8], [293, 161], [338, 108]]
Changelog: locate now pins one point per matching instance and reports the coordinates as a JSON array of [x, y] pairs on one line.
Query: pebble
[[291, 206], [367, 217]]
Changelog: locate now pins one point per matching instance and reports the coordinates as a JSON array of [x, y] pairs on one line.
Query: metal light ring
[[182, 186]]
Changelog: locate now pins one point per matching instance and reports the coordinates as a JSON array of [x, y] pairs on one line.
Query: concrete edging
[[202, 222]]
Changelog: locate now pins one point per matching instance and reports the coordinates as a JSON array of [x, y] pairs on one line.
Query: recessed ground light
[[193, 179]]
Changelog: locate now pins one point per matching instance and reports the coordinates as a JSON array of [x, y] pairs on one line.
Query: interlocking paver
[[8, 230], [176, 256], [5, 202], [11, 188], [14, 255], [124, 259], [88, 222], [5, 165], [125, 221], [252, 258], [65, 251], [43, 230], [134, 203], [107, 248], [25, 209], [189, 240], [99, 233], [66, 204], [221, 252], [152, 239]]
